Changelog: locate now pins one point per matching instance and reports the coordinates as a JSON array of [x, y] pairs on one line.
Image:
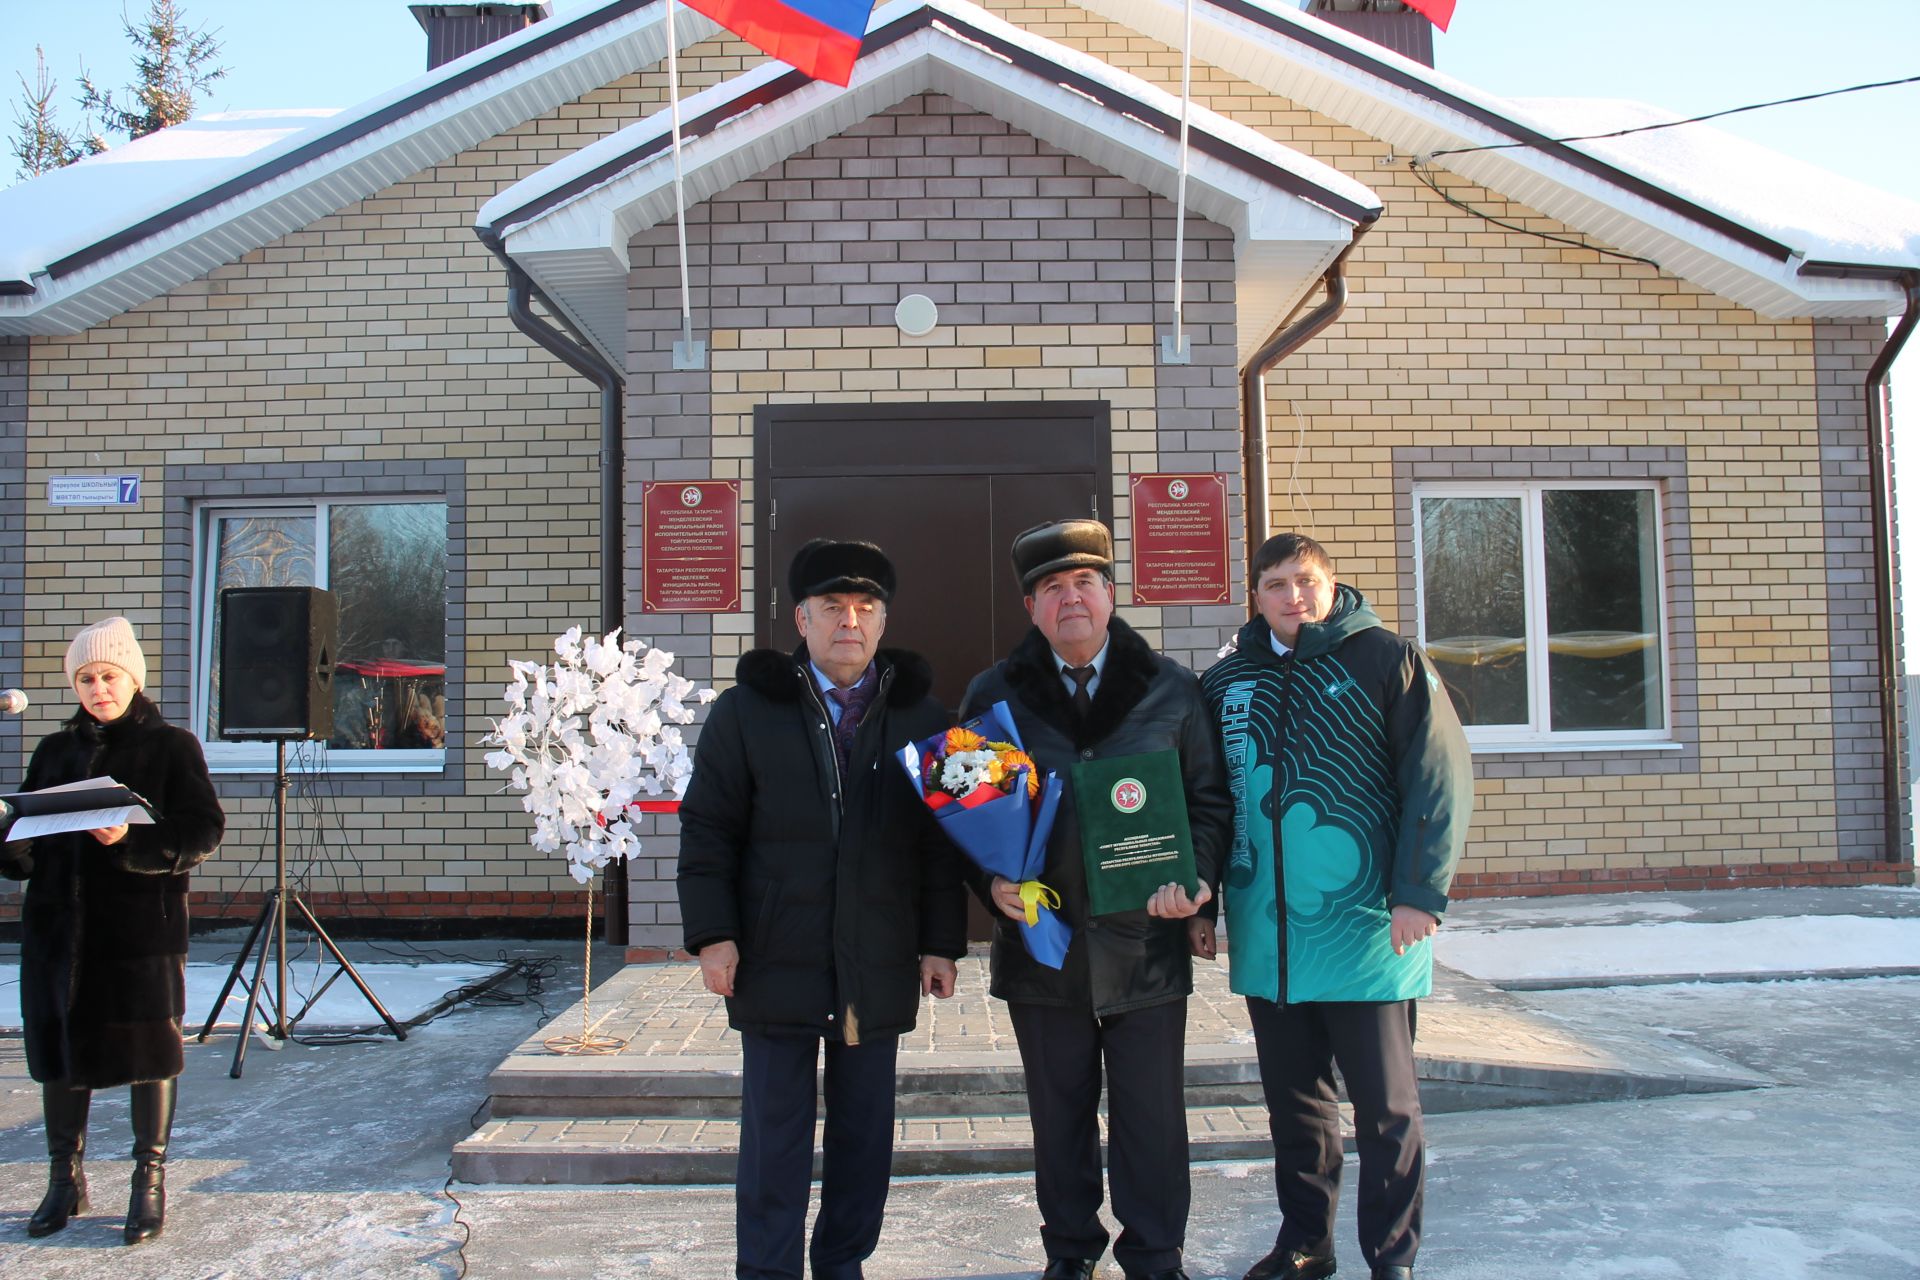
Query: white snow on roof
[[65, 210], [58, 213], [1810, 209]]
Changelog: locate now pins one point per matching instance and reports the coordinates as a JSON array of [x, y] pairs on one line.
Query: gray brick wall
[[998, 228], [1842, 353]]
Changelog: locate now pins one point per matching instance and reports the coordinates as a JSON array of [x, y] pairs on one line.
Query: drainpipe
[[587, 362], [1879, 448], [1287, 339]]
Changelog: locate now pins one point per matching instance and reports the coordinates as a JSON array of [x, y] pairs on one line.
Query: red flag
[[1438, 12], [818, 37]]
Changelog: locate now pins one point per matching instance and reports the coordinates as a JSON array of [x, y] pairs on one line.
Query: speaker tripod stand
[[272, 921]]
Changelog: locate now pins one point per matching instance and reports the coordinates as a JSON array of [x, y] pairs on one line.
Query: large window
[[385, 562], [1540, 605]]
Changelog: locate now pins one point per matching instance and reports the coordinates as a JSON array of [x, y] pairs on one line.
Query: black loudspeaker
[[276, 662]]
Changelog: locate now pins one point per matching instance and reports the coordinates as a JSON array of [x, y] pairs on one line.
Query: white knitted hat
[[110, 640]]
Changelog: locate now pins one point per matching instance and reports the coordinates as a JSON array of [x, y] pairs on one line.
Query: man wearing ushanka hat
[[822, 902], [1083, 685]]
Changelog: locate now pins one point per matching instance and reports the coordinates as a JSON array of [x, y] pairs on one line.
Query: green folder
[[1133, 829]]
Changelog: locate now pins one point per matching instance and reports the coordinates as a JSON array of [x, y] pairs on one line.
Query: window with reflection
[[1540, 605], [386, 564]]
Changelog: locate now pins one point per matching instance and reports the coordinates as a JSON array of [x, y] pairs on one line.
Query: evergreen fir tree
[[39, 143], [172, 64]]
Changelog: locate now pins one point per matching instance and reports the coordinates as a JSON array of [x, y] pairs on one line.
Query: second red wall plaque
[[1180, 553]]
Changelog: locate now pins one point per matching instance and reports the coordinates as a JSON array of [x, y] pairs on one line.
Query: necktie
[[848, 726], [1082, 700]]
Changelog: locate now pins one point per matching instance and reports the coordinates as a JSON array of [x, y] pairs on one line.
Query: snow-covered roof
[[64, 211], [1817, 212], [1734, 218], [82, 244], [570, 224]]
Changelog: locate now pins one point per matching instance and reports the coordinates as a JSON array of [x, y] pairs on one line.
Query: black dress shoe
[[1292, 1264], [1393, 1273], [1070, 1269]]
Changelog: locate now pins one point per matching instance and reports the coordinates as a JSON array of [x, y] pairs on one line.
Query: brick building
[[1591, 420]]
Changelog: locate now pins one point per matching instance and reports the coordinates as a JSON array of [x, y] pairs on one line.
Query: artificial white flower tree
[[586, 739]]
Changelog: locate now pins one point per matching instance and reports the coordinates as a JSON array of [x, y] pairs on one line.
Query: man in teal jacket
[[1352, 788]]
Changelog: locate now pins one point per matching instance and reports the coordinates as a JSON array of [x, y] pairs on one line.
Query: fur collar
[[1034, 674], [140, 711], [777, 676]]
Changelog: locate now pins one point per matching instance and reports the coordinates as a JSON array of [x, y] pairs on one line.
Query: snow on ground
[[1789, 944], [405, 989]]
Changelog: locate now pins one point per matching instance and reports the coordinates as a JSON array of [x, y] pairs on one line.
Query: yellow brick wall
[[378, 334]]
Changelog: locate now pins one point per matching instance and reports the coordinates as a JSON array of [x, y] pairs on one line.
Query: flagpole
[[687, 354], [1175, 350]]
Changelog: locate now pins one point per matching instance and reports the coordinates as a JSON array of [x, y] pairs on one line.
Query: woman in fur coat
[[103, 947]]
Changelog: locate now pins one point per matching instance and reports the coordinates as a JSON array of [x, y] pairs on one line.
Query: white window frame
[[304, 757], [1535, 736]]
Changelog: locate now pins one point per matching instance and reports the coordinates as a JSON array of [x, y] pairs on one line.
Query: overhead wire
[[1421, 166], [1414, 166], [1674, 124]]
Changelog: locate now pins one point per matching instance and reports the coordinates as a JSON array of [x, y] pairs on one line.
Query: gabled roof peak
[[570, 225]]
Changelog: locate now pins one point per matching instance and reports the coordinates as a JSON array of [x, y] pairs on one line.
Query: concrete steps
[[676, 1150], [665, 1109]]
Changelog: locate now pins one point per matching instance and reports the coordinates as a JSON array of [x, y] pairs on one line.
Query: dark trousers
[[1298, 1046], [777, 1110], [1144, 1051]]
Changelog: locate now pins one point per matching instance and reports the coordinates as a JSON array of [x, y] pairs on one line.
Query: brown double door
[[942, 489]]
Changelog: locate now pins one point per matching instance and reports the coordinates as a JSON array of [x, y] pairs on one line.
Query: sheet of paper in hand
[[86, 805], [1133, 829]]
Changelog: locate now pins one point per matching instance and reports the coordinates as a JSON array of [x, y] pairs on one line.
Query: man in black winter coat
[[822, 902], [1083, 685]]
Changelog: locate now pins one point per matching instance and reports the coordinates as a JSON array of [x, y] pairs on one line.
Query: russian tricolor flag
[[1438, 12], [818, 37]]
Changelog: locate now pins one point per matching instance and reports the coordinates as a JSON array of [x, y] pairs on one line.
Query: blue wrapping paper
[[1006, 836]]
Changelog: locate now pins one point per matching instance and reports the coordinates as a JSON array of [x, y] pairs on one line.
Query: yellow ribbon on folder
[[1033, 895]]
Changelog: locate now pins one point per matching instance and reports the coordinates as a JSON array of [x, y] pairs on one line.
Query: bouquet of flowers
[[991, 801]]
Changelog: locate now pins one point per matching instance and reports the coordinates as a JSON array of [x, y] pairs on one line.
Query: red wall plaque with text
[[690, 546], [1180, 539]]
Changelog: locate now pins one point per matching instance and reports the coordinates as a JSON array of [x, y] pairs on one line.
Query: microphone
[[12, 701]]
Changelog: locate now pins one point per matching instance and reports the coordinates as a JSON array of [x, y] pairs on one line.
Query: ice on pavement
[[407, 990], [1788, 944]]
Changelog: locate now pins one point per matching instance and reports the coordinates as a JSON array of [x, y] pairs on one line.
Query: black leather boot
[[152, 1125], [65, 1110]]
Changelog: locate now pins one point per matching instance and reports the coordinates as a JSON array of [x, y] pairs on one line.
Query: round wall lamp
[[916, 315]]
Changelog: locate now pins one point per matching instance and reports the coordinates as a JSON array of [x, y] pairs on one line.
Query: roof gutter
[[587, 362], [1287, 339], [1879, 449]]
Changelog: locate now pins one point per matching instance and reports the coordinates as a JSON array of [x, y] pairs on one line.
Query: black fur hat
[[824, 566], [1061, 544]]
